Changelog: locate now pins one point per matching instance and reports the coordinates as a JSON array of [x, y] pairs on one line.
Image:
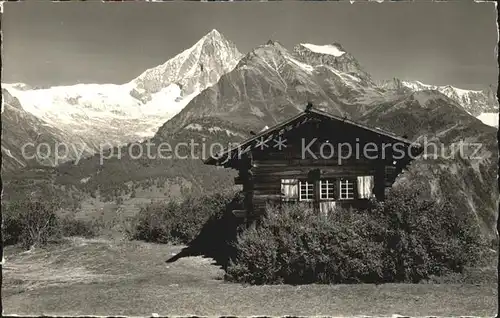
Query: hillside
[[23, 133], [467, 175]]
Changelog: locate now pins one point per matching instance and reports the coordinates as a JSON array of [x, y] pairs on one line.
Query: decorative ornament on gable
[[309, 106]]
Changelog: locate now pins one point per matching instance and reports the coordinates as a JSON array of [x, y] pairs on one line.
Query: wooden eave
[[295, 121]]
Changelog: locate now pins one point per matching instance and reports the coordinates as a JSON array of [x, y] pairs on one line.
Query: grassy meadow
[[114, 277]]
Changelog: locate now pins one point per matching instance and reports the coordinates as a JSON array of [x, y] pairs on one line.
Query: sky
[[65, 43]]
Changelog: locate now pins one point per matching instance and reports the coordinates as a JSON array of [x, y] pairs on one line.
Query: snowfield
[[490, 119], [81, 107], [324, 49]]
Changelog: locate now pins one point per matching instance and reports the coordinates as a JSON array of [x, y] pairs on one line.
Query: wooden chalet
[[306, 159]]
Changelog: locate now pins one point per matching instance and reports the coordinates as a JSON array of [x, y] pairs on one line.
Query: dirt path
[[101, 277]]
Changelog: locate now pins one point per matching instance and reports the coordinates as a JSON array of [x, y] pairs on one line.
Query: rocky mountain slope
[[333, 55], [270, 84], [478, 103], [106, 115]]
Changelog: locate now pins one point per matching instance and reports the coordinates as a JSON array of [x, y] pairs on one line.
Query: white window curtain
[[365, 187], [289, 189]]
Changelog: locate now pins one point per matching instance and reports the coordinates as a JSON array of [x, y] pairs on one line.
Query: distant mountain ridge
[[475, 102]]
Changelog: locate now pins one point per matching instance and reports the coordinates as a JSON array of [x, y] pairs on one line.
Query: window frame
[[309, 186], [330, 193], [347, 195]]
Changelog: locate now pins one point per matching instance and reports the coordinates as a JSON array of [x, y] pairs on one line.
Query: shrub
[[173, 222], [69, 226], [428, 238], [195, 211], [406, 239], [12, 225], [30, 222], [155, 222], [294, 247], [35, 222], [256, 258]]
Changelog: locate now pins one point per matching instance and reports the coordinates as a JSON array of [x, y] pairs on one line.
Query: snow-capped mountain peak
[[192, 70], [118, 114], [214, 32]]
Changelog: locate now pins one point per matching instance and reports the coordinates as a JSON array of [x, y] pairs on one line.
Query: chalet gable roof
[[267, 134]]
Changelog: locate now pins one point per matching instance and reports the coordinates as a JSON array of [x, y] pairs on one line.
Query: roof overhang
[[224, 157]]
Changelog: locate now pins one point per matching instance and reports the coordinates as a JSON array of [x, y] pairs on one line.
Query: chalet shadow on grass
[[319, 159]]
